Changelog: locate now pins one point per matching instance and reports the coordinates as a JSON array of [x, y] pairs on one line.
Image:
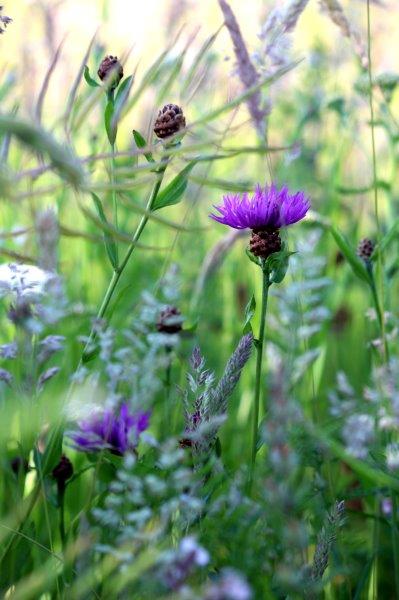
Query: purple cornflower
[[268, 208], [107, 430], [265, 212]]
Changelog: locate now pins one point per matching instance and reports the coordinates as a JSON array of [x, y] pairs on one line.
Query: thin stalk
[[61, 506], [168, 383], [258, 375], [395, 538], [118, 272], [380, 317], [375, 186], [112, 181], [379, 302]]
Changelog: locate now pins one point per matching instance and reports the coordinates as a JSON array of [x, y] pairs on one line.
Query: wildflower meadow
[[199, 354]]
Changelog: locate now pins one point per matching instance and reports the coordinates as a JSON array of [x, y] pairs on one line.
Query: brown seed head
[[264, 243], [170, 120], [365, 249], [63, 471], [110, 71], [170, 320]]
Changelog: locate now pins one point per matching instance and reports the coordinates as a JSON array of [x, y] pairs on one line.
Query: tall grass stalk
[[379, 305]]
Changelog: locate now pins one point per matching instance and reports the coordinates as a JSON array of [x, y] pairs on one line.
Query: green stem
[[259, 348], [380, 258], [395, 538], [168, 383], [118, 272], [112, 181], [380, 316], [61, 504]]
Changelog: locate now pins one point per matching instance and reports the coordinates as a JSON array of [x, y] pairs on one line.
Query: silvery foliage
[[35, 302], [301, 312], [146, 500], [363, 415], [276, 35], [176, 565], [355, 414], [205, 404], [230, 585], [132, 362]]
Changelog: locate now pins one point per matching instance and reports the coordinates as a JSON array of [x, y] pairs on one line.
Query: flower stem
[[61, 506], [118, 272], [380, 257], [258, 376], [395, 538], [112, 181]]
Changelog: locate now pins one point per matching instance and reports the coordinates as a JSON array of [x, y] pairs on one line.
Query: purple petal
[[268, 208]]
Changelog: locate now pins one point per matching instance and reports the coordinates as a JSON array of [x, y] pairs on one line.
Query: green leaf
[[249, 313], [110, 244], [89, 80], [174, 191], [388, 238], [358, 266], [253, 258], [141, 143], [110, 126], [277, 264], [52, 454], [123, 91], [120, 101]]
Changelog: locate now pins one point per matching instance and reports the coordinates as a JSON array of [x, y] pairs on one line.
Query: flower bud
[[63, 471], [365, 249], [170, 120], [110, 71], [264, 243]]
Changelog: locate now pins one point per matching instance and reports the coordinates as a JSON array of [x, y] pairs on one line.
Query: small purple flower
[[268, 208], [107, 430]]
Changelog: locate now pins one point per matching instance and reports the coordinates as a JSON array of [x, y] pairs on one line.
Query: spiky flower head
[[170, 120], [267, 208], [110, 71], [107, 430]]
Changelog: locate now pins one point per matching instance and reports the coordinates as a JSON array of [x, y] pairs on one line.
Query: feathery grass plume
[[325, 540], [246, 70], [4, 21], [280, 22], [337, 15], [225, 387], [204, 417]]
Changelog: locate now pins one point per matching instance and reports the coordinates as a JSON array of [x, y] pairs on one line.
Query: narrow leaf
[[141, 143], [249, 313], [388, 238], [110, 126], [358, 267], [174, 191], [89, 80]]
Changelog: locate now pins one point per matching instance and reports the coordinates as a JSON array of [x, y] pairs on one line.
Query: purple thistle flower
[[107, 430], [269, 208]]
